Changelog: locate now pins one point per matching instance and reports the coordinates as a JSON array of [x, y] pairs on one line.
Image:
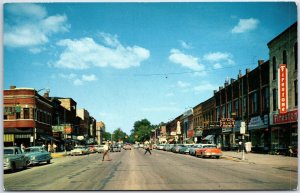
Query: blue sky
[[127, 61]]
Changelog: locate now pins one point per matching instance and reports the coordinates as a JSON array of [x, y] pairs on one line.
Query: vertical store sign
[[282, 88]]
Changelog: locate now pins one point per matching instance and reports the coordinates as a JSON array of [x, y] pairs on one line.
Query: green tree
[[119, 135], [141, 130]]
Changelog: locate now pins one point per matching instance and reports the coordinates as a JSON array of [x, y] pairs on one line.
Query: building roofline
[[289, 28]]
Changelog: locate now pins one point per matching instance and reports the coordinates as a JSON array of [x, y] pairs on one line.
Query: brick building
[[27, 117]]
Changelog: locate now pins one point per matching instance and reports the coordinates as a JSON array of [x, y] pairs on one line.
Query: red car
[[208, 150]]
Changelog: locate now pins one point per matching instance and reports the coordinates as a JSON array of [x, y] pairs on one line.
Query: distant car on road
[[79, 150], [127, 147], [209, 150], [14, 159], [37, 155], [115, 148]]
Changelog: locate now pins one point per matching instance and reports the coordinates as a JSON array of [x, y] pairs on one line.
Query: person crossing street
[[106, 151], [147, 148]]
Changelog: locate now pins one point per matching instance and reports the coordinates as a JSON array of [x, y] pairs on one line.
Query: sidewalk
[[59, 154], [256, 158]]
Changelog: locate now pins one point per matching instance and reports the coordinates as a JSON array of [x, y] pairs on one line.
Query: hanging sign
[[282, 88]]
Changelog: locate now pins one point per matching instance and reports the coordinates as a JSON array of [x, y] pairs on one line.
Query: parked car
[[192, 150], [176, 148], [99, 148], [160, 147], [185, 149], [37, 155], [14, 159], [79, 150], [127, 147], [92, 149], [209, 150], [169, 147]]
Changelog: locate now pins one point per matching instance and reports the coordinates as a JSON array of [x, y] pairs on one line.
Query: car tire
[[48, 161], [13, 167], [218, 157]]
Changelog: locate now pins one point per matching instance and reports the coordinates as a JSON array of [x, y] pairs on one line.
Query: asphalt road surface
[[132, 170]]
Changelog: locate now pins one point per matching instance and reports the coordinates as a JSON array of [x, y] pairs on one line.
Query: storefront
[[284, 131], [259, 133]]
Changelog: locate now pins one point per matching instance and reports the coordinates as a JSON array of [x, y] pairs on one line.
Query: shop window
[[274, 99], [284, 58], [296, 55], [274, 68], [26, 113]]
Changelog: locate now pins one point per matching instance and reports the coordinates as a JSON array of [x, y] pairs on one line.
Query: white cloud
[[28, 25], [245, 25], [169, 94], [218, 59], [176, 56], [185, 45], [205, 87], [76, 80], [183, 84], [97, 55]]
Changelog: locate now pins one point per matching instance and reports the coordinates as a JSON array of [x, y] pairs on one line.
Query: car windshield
[[209, 146], [33, 150], [8, 151]]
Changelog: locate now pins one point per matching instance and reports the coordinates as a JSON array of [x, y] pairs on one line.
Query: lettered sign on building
[[282, 88]]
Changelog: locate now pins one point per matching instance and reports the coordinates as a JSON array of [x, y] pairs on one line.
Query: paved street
[[132, 170]]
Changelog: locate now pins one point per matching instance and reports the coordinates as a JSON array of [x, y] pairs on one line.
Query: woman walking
[[106, 152]]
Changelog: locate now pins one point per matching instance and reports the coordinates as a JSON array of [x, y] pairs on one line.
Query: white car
[[79, 150]]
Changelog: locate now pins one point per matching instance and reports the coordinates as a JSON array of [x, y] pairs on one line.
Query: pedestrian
[[54, 147], [240, 146], [106, 152], [49, 147], [147, 148], [22, 147]]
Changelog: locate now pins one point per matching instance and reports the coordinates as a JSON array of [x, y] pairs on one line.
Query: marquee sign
[[282, 88], [226, 122]]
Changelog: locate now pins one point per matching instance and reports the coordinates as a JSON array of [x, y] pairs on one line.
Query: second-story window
[[274, 67], [284, 57], [265, 99], [296, 55], [296, 92], [274, 99], [26, 113], [255, 105]]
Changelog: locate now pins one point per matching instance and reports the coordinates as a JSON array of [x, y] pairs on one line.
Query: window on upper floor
[[284, 57], [218, 113], [274, 67], [265, 99], [244, 105], [296, 55], [26, 113], [274, 99], [229, 110], [296, 92]]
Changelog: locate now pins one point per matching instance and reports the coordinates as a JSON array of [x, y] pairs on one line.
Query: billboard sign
[[282, 88]]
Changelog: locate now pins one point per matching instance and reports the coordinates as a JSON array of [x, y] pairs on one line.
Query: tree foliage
[[142, 130]]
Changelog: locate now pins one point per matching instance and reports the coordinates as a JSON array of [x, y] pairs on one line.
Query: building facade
[[283, 49], [27, 117]]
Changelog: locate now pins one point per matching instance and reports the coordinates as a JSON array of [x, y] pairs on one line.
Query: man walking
[[106, 151], [147, 148]]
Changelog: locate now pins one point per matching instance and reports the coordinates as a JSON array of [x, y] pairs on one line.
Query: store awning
[[48, 138], [209, 137]]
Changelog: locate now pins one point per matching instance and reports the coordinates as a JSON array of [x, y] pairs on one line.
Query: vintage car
[[192, 150], [115, 148], [127, 147], [208, 150], [185, 149], [37, 155], [79, 150], [99, 148], [176, 148], [14, 159]]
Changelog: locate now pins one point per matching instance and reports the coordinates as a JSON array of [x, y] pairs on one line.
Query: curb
[[58, 155]]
